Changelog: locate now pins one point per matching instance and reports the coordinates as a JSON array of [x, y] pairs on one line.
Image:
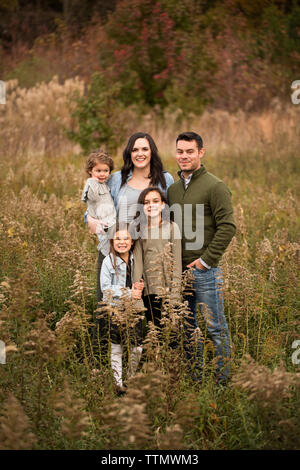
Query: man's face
[[188, 156]]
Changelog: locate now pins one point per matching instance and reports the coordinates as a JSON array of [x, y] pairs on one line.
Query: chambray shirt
[[114, 183]]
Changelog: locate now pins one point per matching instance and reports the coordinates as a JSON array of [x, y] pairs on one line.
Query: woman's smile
[[141, 153]]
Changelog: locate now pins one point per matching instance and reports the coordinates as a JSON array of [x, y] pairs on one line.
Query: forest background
[[84, 74]]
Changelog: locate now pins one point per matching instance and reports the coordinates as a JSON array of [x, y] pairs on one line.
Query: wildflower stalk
[[259, 324], [247, 330]]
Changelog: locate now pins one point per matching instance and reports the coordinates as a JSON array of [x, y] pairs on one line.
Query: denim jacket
[[114, 183], [114, 280]]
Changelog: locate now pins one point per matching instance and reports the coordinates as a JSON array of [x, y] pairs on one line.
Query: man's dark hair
[[189, 136]]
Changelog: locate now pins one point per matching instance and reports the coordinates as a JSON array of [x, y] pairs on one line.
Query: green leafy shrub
[[98, 114]]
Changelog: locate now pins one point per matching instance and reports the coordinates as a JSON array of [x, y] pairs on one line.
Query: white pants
[[116, 361]]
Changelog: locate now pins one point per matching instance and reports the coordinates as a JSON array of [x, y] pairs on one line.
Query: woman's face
[[153, 205], [141, 153]]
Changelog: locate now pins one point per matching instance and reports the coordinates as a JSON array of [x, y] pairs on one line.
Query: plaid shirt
[[186, 181]]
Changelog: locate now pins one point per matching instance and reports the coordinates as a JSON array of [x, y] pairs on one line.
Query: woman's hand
[[94, 225]]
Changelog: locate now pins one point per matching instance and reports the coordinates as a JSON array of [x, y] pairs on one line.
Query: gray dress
[[100, 206]]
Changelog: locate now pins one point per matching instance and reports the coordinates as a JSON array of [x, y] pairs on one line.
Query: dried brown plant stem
[[15, 427]]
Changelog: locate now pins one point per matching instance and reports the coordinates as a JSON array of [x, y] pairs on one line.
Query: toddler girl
[[96, 194], [115, 280]]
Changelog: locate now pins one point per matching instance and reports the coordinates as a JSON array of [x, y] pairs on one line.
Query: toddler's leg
[[134, 359], [116, 362]]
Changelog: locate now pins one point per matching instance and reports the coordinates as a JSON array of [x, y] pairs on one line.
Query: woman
[[142, 168]]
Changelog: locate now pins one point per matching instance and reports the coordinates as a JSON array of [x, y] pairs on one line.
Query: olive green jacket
[[218, 224]]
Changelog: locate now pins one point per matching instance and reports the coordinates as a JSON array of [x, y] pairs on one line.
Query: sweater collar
[[195, 173]]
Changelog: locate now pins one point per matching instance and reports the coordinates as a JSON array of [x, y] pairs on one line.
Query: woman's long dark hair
[[156, 166]]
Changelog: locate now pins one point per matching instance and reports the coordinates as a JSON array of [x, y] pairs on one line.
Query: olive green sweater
[[219, 227]]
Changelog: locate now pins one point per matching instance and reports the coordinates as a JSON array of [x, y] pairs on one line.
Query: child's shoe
[[120, 390]]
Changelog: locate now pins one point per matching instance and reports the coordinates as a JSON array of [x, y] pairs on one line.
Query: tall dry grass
[[48, 291]]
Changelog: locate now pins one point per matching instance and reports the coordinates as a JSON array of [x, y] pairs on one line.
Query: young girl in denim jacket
[[116, 281]]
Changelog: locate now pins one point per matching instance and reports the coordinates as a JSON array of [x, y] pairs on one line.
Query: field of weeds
[[50, 397]]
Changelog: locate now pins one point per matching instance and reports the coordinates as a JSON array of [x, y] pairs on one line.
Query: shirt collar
[[200, 170], [186, 181]]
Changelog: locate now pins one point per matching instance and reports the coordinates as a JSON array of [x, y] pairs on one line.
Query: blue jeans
[[207, 290]]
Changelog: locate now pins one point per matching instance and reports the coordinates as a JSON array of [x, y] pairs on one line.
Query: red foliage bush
[[184, 54]]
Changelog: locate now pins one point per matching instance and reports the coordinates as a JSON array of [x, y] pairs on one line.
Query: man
[[200, 189]]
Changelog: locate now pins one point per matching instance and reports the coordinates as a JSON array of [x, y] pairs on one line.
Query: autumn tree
[[140, 50]]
